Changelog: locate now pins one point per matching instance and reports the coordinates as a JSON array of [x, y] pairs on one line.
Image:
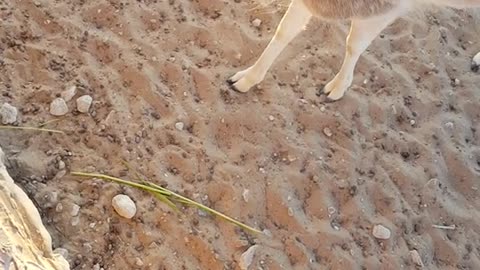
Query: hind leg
[[362, 33], [292, 23]]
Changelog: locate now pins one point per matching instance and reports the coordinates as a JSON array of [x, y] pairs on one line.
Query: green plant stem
[[121, 181], [158, 190], [32, 128]]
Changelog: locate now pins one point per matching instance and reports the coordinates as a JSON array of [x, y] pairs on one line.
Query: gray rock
[[476, 63], [61, 251], [9, 114], [68, 94], [58, 107], [381, 232], [75, 210], [416, 258], [84, 103], [179, 126], [247, 257]]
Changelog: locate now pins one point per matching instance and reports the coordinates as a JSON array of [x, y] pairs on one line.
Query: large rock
[[23, 237]]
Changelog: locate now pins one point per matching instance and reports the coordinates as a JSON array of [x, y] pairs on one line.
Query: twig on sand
[[444, 227], [167, 196], [32, 128]]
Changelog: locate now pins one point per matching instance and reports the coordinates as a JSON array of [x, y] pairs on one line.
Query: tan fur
[[368, 19]]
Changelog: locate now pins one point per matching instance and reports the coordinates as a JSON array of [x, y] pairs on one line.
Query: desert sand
[[401, 149]]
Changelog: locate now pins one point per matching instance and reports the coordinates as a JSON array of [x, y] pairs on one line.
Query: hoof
[[320, 91], [330, 100], [232, 86]]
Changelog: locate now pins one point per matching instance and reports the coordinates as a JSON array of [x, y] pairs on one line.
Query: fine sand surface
[[401, 149]]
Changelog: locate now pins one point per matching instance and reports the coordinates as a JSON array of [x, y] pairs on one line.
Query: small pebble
[[8, 113], [58, 107], [124, 206], [416, 258], [61, 251], [449, 125], [61, 165], [59, 208], [246, 195], [138, 262], [323, 109], [75, 221], [271, 118], [412, 122], [476, 63], [179, 126], [327, 132], [247, 257], [257, 22], [456, 82], [84, 103], [381, 232], [68, 94], [75, 210]]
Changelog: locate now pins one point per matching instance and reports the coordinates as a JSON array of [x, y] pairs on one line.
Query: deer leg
[[292, 23], [362, 33]]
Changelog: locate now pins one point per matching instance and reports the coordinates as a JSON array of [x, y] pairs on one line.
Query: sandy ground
[[401, 149]]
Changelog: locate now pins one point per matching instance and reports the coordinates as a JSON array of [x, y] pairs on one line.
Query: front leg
[[292, 23], [362, 33]]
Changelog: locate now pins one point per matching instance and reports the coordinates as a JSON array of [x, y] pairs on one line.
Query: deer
[[368, 18]]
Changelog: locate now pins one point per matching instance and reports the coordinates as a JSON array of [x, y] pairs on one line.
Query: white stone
[[58, 107], [416, 258], [179, 126], [68, 94], [75, 210], [124, 206], [247, 257], [8, 114], [257, 22], [246, 195], [61, 165], [381, 232], [84, 103], [138, 262], [476, 62], [61, 251], [327, 132]]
